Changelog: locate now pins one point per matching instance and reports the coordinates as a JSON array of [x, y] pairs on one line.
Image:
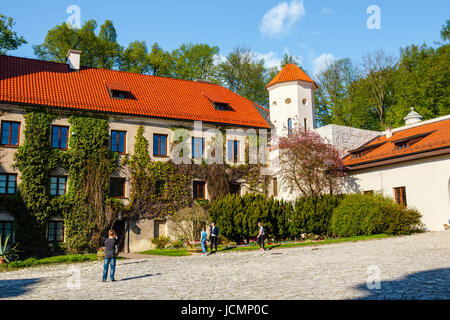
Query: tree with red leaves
[[308, 164]]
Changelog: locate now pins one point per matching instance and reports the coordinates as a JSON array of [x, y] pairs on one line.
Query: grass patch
[[33, 262], [167, 252], [303, 243], [290, 244]]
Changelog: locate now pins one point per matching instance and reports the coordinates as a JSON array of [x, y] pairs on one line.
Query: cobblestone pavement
[[410, 267]]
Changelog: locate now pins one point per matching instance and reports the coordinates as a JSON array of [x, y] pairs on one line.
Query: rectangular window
[[10, 133], [400, 196], [401, 145], [275, 187], [60, 137], [368, 192], [8, 183], [118, 139], [198, 148], [117, 187], [199, 190], [58, 185], [56, 231], [233, 150], [6, 228], [160, 145]]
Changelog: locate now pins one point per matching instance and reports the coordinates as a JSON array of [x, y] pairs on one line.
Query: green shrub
[[161, 242], [177, 244], [312, 215], [361, 214]]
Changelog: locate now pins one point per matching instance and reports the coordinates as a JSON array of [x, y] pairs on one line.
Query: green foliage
[[8, 38], [245, 75], [99, 51], [237, 217], [311, 215], [88, 209], [30, 262], [6, 250], [194, 61], [177, 244], [161, 242], [360, 214]]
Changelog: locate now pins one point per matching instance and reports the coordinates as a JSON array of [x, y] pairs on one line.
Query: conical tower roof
[[290, 72]]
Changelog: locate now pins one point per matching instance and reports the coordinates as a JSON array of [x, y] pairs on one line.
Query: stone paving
[[410, 267]]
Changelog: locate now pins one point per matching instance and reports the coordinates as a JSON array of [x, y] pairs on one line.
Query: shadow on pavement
[[140, 277], [425, 285], [15, 287]]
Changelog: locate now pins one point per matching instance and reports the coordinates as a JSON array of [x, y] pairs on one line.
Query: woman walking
[[261, 236], [203, 240]]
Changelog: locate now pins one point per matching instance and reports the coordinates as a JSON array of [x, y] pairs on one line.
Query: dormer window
[[220, 106], [401, 145], [118, 90], [409, 141], [120, 94], [356, 155]]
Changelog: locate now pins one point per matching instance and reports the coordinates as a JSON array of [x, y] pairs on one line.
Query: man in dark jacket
[[110, 255], [213, 236]]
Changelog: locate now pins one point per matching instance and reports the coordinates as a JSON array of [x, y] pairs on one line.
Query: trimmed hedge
[[360, 214], [343, 216], [237, 217]]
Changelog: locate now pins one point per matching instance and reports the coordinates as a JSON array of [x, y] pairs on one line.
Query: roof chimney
[[73, 59], [412, 117], [388, 132]]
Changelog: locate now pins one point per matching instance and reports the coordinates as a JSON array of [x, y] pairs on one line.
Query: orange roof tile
[[36, 82], [432, 136], [290, 72]]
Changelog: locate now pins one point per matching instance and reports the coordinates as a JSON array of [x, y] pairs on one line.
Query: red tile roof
[[430, 136], [36, 82], [290, 72]]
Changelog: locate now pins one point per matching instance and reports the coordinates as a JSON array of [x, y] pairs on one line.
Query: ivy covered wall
[[157, 188]]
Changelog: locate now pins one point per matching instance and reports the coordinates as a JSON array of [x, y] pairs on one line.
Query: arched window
[[289, 124]]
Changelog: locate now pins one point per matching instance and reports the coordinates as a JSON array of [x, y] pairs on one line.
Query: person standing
[[203, 240], [213, 236], [261, 236], [110, 255]]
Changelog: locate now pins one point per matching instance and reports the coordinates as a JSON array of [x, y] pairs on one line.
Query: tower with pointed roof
[[291, 98]]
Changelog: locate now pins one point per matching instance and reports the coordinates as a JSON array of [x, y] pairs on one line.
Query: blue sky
[[313, 30]]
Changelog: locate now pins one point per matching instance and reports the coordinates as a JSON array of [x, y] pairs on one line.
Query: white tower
[[291, 98]]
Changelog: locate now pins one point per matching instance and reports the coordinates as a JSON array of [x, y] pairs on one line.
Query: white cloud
[[327, 10], [280, 18], [322, 61], [271, 59]]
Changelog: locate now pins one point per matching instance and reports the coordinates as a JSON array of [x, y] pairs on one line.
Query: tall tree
[[194, 61], [135, 58], [100, 51], [160, 61], [445, 31], [378, 69], [336, 98], [9, 40], [422, 81], [243, 74]]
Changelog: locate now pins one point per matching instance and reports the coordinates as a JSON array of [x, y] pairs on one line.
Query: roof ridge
[[115, 70]]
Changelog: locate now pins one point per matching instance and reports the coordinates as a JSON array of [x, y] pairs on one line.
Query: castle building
[[410, 163]]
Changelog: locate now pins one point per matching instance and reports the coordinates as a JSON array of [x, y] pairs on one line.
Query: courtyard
[[407, 267]]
